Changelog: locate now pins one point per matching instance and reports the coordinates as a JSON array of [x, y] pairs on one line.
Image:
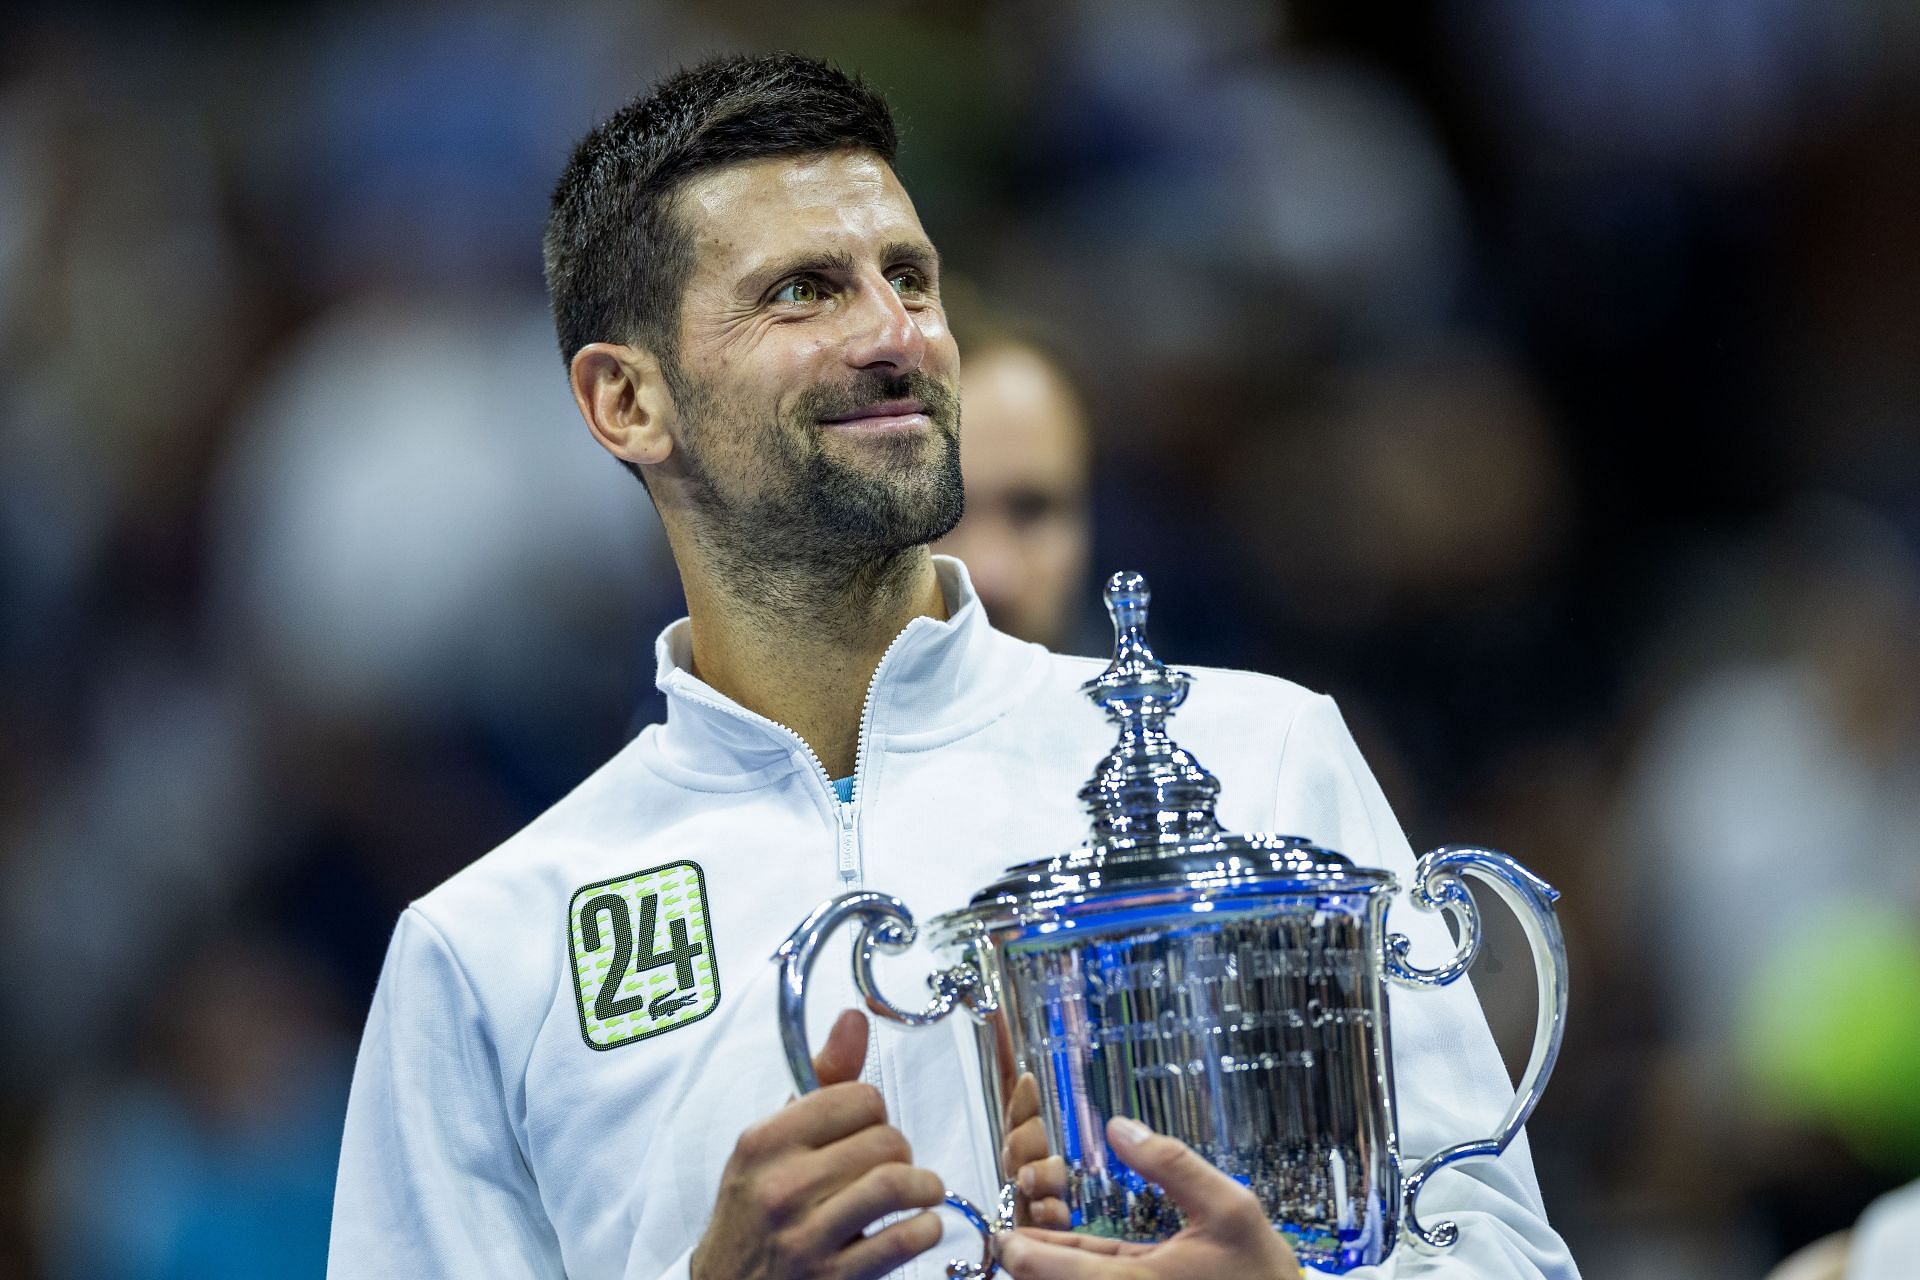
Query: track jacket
[[570, 1034]]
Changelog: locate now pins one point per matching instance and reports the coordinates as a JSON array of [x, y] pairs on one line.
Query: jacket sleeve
[[1450, 1083], [432, 1182]]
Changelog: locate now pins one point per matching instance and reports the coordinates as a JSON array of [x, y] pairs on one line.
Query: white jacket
[[501, 1126]]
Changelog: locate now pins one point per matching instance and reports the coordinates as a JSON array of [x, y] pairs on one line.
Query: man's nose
[[882, 332]]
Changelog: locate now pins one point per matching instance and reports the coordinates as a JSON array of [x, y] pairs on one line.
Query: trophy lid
[[1152, 804]]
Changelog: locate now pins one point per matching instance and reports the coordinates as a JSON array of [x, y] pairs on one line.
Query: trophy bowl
[[1227, 989]]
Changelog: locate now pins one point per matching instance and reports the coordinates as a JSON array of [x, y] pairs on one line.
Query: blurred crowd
[[1542, 380]]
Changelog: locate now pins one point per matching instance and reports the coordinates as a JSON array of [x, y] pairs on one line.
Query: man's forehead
[[746, 215], [1023, 417]]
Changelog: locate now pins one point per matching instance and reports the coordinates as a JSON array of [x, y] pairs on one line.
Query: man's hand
[[1227, 1232], [804, 1183], [1041, 1179]]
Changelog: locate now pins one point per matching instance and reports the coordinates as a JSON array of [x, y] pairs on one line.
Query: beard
[[780, 502]]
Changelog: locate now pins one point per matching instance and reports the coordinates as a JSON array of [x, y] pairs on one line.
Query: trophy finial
[[1134, 676], [1127, 596], [1148, 788]]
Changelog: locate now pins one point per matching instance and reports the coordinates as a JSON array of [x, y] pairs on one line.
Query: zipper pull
[[849, 849]]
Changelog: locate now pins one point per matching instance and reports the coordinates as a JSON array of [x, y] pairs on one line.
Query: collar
[[938, 682]]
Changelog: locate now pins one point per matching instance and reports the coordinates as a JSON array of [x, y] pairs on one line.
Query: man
[[1025, 457], [571, 1066]]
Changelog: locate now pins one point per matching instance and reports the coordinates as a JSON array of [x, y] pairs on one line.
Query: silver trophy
[[1226, 989]]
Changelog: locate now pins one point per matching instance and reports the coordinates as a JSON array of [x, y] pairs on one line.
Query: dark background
[[1539, 379]]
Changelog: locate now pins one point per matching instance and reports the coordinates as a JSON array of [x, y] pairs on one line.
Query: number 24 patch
[[643, 958]]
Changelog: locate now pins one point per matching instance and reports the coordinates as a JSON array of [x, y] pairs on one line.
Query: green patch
[[643, 958]]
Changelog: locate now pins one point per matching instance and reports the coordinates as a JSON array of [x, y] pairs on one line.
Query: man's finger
[[889, 1188], [1024, 1104], [870, 1257], [808, 1178], [845, 1051], [826, 1115], [1203, 1193], [1025, 1145], [1033, 1259], [1085, 1243], [1041, 1178], [869, 1148]]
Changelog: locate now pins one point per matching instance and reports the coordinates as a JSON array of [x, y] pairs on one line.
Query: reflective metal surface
[[1250, 1032], [885, 925], [1438, 885], [1227, 989], [1147, 788]]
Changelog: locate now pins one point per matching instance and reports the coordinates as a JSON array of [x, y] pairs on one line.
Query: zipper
[[846, 836], [850, 862], [866, 712], [849, 843]]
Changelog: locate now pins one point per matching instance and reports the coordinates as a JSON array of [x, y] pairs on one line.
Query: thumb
[[1202, 1191], [845, 1052]]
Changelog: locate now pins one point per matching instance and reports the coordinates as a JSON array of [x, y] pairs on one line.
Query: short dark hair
[[616, 258]]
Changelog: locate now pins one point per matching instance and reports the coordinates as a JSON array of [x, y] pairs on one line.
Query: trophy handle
[[1439, 885], [886, 925]]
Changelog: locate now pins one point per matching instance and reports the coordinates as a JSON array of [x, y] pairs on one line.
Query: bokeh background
[[1541, 379]]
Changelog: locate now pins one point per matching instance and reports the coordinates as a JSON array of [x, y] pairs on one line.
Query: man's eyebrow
[[897, 253], [821, 263], [913, 253]]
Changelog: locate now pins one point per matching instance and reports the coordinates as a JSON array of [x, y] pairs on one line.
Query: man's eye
[[1028, 508], [797, 291], [908, 281]]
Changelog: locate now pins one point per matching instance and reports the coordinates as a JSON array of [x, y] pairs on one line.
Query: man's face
[[1025, 537], [816, 384]]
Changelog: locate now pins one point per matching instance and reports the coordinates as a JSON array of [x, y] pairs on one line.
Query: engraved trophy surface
[[1226, 989]]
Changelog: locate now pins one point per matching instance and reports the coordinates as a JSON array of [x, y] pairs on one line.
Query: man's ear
[[624, 398]]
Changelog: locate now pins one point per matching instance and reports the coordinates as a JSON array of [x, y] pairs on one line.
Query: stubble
[[798, 531]]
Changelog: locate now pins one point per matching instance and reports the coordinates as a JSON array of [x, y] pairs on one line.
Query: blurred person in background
[[217, 1147], [1882, 1246], [1026, 458], [245, 695], [1776, 794]]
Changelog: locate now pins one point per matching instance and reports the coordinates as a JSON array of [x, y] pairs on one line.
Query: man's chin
[[904, 462], [906, 517]]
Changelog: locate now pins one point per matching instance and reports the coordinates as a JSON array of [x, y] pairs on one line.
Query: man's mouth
[[887, 415]]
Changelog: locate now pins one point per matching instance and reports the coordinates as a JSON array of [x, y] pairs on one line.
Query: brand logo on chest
[[643, 959]]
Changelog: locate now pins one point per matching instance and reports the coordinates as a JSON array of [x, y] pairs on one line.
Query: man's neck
[[801, 651]]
